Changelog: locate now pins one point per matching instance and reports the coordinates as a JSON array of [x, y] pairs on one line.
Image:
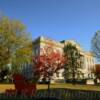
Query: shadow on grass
[[58, 94]]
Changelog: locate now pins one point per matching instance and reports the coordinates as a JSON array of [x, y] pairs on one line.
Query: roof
[[47, 40]]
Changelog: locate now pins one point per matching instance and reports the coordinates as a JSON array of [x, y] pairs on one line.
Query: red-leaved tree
[[48, 63]]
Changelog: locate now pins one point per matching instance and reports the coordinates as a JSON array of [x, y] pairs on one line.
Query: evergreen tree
[[74, 62]]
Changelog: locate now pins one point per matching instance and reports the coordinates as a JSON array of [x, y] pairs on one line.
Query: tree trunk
[[49, 87], [73, 77]]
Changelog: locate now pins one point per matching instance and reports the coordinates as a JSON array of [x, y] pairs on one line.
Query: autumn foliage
[[48, 62]]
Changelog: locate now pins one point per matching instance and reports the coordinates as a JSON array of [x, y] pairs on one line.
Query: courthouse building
[[87, 57]]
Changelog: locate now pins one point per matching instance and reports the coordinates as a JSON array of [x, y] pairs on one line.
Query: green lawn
[[70, 86], [55, 89], [3, 87]]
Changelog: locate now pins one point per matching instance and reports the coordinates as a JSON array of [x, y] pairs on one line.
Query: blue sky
[[57, 19]]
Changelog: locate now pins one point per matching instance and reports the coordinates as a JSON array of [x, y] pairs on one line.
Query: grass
[[3, 87], [71, 86], [42, 87]]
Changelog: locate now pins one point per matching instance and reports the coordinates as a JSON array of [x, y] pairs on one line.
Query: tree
[[15, 43], [48, 63], [74, 63], [3, 74], [96, 45]]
